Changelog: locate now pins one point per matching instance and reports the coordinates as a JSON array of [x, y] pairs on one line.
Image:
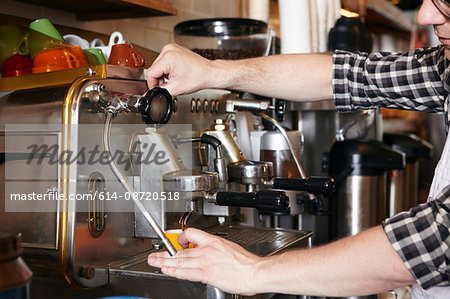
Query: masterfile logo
[[49, 164]]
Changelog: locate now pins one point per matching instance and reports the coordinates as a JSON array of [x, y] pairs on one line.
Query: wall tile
[[182, 4], [203, 6], [133, 33], [155, 40], [105, 27], [167, 23], [150, 22], [226, 9], [187, 15]]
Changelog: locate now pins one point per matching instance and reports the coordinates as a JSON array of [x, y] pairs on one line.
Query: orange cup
[[124, 54], [55, 60], [79, 54], [172, 235]]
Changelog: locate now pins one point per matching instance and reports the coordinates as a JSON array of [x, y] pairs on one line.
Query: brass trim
[[49, 79], [100, 73]]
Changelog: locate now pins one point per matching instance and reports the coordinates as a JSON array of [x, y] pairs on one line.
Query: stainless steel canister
[[402, 185], [359, 168]]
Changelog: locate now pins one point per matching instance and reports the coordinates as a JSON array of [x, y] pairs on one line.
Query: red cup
[[55, 60], [124, 54], [17, 65]]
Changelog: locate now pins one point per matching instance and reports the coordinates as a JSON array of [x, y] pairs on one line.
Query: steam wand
[[258, 107], [109, 114]]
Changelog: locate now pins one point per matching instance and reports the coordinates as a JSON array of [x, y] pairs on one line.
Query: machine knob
[[264, 200], [87, 272], [156, 106]]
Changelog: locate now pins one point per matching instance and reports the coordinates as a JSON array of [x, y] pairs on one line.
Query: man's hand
[[180, 71], [214, 261], [354, 266]]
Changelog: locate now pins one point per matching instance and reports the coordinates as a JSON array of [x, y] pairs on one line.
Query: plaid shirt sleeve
[[421, 237], [417, 80], [410, 81]]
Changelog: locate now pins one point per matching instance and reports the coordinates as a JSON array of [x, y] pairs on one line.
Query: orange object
[[172, 235], [124, 54], [79, 54], [55, 60]]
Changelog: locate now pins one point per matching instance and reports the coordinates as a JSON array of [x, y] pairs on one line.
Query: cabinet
[[90, 10], [381, 16]]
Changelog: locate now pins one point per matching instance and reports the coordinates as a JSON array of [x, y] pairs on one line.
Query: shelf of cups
[[29, 58], [88, 10], [41, 49], [47, 79], [24, 56]]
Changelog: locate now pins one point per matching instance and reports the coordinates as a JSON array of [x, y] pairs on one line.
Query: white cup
[[97, 43], [115, 38], [76, 41]]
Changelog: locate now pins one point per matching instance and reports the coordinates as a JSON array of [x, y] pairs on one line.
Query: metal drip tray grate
[[262, 241]]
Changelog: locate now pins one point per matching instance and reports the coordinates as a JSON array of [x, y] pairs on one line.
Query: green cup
[[99, 54], [46, 27], [10, 35], [35, 42], [41, 36]]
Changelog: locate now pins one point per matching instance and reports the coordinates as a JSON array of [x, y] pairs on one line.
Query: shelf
[[149, 55], [92, 10], [64, 77], [382, 14]]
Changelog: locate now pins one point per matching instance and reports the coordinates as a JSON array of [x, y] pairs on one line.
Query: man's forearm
[[297, 77], [357, 265]]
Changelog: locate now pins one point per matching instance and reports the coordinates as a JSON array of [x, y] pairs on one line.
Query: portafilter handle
[[313, 185], [264, 200]]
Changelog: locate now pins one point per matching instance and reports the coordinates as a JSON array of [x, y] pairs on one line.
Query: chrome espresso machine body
[[83, 234]]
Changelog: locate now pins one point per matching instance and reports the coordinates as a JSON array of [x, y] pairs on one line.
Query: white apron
[[441, 179]]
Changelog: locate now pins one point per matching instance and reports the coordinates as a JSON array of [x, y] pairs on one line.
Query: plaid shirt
[[416, 80]]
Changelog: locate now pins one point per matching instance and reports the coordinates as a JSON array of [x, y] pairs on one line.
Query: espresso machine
[[95, 168]]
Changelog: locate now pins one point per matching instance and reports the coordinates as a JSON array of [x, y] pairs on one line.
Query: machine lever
[[264, 200], [313, 185]]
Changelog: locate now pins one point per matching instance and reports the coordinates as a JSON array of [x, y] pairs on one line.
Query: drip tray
[[263, 241], [134, 276]]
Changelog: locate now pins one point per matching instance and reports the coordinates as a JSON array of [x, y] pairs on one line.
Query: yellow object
[[348, 13], [172, 235], [52, 78]]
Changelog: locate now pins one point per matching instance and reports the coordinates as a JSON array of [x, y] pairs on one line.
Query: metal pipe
[[106, 145], [288, 141]]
